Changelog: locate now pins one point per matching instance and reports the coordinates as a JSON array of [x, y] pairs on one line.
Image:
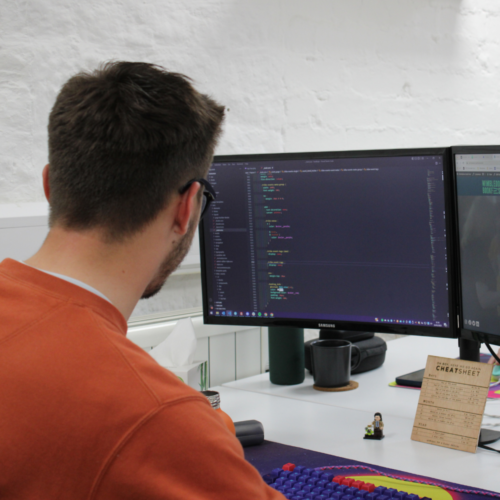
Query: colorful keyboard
[[301, 483]]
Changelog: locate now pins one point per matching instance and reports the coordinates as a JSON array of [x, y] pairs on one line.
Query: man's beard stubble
[[171, 262]]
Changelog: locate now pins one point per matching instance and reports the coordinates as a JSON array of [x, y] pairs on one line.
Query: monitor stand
[[469, 349]]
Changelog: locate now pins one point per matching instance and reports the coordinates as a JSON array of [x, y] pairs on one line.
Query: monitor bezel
[[465, 333], [449, 332]]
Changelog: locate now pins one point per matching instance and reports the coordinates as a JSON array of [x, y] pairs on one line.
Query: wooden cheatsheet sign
[[451, 404]]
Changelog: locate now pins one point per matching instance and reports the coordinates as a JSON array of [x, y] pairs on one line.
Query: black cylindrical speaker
[[286, 355]]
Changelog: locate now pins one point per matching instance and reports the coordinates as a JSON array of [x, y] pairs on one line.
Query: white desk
[[334, 423]]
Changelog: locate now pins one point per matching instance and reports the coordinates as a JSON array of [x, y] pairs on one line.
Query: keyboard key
[[348, 481], [332, 486], [276, 472], [328, 476]]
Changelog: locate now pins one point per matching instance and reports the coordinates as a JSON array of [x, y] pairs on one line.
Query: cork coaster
[[349, 387]]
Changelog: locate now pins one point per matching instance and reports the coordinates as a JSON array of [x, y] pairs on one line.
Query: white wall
[[182, 291], [295, 75]]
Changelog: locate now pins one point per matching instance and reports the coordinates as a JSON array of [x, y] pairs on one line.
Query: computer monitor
[[341, 240], [477, 180]]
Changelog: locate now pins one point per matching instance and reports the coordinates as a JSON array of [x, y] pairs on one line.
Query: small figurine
[[375, 429]]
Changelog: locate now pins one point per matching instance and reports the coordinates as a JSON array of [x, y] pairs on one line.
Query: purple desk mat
[[270, 455]]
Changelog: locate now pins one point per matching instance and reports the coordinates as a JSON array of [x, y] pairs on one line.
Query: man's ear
[[185, 208], [46, 186]]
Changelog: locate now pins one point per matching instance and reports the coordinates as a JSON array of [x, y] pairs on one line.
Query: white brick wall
[[296, 75]]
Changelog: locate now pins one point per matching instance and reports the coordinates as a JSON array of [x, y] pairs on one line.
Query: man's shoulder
[[29, 296], [128, 374], [84, 336], [159, 382]]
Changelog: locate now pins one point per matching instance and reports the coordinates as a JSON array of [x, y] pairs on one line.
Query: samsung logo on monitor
[[326, 325]]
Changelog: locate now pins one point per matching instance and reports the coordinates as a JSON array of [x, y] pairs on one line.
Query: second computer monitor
[[477, 177], [351, 240]]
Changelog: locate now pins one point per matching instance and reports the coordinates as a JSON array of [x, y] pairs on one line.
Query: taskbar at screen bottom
[[315, 324], [328, 319]]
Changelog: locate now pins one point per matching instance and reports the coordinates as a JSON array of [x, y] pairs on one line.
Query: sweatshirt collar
[[66, 290]]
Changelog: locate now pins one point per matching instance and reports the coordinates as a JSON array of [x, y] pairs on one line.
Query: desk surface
[[334, 423], [404, 355]]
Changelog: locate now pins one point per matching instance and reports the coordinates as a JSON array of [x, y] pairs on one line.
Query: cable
[[492, 352], [487, 448]]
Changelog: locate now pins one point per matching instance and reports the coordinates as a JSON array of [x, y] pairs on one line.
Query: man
[[84, 413]]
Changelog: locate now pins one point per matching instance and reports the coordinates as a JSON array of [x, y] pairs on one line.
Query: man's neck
[[119, 271]]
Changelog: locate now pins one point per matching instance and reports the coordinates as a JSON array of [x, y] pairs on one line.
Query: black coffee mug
[[331, 362]]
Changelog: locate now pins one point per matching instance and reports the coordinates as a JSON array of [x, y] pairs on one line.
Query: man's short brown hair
[[122, 140]]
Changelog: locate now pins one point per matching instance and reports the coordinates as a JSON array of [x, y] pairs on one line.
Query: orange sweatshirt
[[86, 414]]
